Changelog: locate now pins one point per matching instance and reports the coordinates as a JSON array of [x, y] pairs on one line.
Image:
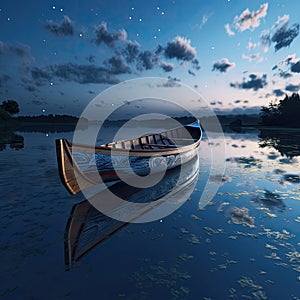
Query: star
[[140, 20], [43, 110], [53, 7], [8, 19], [130, 18], [51, 83], [80, 34], [61, 9], [162, 12]]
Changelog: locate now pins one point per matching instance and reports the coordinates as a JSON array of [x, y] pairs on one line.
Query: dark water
[[244, 244]]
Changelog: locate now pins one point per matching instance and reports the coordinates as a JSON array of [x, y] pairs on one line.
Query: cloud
[[191, 73], [3, 80], [228, 30], [296, 67], [283, 37], [256, 82], [253, 57], [108, 38], [117, 65], [181, 49], [278, 92], [240, 215], [292, 61], [280, 34], [284, 74], [252, 46], [41, 76], [131, 51], [196, 64], [203, 21], [167, 67], [73, 72], [17, 49], [91, 58], [292, 87], [65, 28], [223, 65], [147, 60], [250, 20]]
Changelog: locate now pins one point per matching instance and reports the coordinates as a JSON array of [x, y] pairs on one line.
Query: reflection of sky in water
[[245, 242]]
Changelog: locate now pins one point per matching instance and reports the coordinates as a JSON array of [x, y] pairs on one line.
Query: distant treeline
[[50, 118]]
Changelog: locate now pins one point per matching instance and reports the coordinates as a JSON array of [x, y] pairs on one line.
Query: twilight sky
[[56, 56]]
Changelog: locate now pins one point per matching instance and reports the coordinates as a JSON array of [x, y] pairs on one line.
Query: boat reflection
[[286, 142], [88, 228]]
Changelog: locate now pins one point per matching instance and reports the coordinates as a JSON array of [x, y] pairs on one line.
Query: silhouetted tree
[[10, 106], [285, 113]]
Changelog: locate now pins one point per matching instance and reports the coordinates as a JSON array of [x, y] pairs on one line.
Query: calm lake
[[244, 244]]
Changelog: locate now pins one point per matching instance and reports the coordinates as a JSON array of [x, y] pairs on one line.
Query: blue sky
[[57, 56]]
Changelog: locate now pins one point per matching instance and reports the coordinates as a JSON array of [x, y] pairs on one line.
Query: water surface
[[245, 243]]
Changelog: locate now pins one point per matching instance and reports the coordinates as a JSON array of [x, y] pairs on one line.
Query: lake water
[[244, 244]]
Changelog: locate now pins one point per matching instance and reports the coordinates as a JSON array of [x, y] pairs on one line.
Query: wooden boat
[[80, 165], [88, 228]]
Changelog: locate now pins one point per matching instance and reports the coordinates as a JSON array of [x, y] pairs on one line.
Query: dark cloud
[[196, 64], [159, 50], [223, 65], [17, 49], [91, 58], [181, 49], [65, 28], [131, 51], [292, 87], [147, 60], [250, 20], [284, 36], [256, 82], [296, 67], [191, 73], [280, 34], [108, 38], [167, 67], [117, 65], [84, 73], [73, 72], [278, 92], [284, 74], [41, 76], [3, 80]]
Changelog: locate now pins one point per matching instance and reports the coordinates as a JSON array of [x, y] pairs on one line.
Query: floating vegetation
[[159, 276], [185, 257], [269, 215], [211, 231], [256, 291], [193, 239], [273, 255], [221, 206], [271, 247], [293, 256], [283, 235], [196, 217], [241, 216]]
